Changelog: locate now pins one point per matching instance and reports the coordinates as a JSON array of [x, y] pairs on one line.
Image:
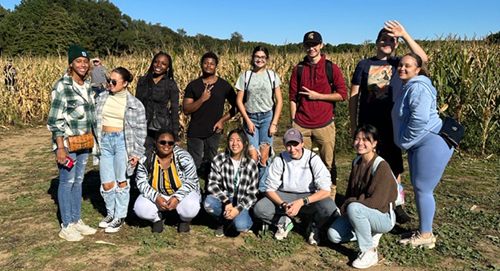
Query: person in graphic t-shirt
[[374, 89]]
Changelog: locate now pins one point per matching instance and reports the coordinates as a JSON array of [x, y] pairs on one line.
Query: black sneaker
[[183, 227], [219, 232], [158, 226], [114, 225], [401, 216]]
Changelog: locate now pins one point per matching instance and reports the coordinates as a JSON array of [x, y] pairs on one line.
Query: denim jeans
[[322, 211], [214, 207], [113, 167], [262, 122], [69, 192], [360, 223]]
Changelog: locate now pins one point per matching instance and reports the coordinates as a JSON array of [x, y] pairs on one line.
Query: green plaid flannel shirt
[[70, 114]]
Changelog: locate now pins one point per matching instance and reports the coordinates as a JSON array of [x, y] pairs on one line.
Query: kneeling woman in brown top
[[368, 208]]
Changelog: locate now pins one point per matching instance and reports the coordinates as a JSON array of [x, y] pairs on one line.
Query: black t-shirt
[[379, 86], [212, 110]]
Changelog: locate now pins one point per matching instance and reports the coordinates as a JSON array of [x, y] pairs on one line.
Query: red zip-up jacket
[[315, 114]]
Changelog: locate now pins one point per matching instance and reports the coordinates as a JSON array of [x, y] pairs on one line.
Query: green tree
[[236, 37]]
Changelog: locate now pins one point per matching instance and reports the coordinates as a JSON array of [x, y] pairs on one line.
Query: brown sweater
[[375, 192]]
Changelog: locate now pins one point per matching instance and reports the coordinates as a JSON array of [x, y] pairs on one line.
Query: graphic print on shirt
[[379, 78]]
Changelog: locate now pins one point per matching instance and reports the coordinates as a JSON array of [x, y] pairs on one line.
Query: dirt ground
[[21, 149]]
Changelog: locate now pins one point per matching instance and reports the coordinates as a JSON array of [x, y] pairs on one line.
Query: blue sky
[[281, 21]]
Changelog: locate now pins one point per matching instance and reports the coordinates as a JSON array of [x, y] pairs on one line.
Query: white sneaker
[[283, 228], [313, 239], [84, 229], [366, 259], [115, 225], [105, 221], [376, 239], [70, 234]]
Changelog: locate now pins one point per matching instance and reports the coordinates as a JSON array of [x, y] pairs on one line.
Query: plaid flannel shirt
[[220, 181], [134, 124], [70, 114]]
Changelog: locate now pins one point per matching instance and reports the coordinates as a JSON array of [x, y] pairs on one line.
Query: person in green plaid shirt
[[72, 112]]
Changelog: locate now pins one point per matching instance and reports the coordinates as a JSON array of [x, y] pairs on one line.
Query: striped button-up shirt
[[70, 113]]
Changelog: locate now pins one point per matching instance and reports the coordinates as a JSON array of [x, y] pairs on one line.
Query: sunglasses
[[113, 82], [164, 142]]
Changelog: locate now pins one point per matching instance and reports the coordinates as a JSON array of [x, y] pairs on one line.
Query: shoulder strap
[[300, 69], [248, 76], [377, 161], [329, 73], [272, 80], [282, 161], [310, 165]]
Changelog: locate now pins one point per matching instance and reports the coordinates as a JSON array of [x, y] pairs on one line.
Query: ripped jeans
[[262, 122], [113, 167], [69, 192]]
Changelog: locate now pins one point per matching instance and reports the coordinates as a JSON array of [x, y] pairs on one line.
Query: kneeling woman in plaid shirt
[[167, 179], [232, 185]]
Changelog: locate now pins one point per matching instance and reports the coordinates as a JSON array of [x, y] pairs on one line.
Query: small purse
[[452, 132], [80, 142]]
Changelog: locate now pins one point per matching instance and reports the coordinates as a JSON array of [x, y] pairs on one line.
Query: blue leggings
[[427, 161]]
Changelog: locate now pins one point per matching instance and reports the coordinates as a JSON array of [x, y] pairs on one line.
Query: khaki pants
[[325, 140]]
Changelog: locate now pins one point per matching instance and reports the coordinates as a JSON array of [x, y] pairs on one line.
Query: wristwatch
[[306, 201]]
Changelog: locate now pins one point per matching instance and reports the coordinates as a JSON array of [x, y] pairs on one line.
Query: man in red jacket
[[312, 100]]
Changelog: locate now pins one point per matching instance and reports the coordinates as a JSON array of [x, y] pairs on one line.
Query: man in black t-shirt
[[204, 100]]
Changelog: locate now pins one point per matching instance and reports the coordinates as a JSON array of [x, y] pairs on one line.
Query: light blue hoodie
[[414, 114]]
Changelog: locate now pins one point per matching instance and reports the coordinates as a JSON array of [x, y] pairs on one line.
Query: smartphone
[[69, 162]]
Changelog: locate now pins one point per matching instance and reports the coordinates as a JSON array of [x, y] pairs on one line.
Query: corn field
[[466, 74]]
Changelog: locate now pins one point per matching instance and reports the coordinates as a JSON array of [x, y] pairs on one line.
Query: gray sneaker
[[285, 225], [70, 234], [84, 229], [105, 221]]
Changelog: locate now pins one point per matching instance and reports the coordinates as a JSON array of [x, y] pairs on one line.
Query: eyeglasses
[[260, 57], [164, 142]]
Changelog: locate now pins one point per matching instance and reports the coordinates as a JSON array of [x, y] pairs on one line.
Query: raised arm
[[397, 30]]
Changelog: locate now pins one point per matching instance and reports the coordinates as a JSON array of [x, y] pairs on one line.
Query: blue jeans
[[69, 192], [113, 167], [360, 223], [262, 122], [98, 90], [215, 208]]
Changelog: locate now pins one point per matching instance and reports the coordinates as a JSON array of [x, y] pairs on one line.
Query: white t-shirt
[[82, 89]]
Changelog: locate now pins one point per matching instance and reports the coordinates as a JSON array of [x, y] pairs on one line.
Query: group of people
[[136, 138]]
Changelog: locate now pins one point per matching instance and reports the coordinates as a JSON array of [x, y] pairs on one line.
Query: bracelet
[[275, 124]]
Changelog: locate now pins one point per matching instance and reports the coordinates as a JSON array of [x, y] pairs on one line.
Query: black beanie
[[76, 51]]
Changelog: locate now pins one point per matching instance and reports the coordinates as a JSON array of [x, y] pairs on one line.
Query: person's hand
[[161, 202], [293, 208], [250, 127], [231, 214], [61, 156], [172, 203], [228, 207], [310, 94], [273, 129], [219, 126], [395, 29], [207, 92], [133, 161]]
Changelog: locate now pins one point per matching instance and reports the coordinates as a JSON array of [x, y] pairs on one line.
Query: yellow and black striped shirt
[[165, 181]]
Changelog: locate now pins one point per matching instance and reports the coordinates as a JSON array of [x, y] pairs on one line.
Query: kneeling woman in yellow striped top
[[167, 180]]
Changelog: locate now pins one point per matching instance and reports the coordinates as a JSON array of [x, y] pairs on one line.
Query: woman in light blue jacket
[[416, 124]]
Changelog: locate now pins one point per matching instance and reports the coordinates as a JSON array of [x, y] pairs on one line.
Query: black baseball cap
[[313, 36]]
